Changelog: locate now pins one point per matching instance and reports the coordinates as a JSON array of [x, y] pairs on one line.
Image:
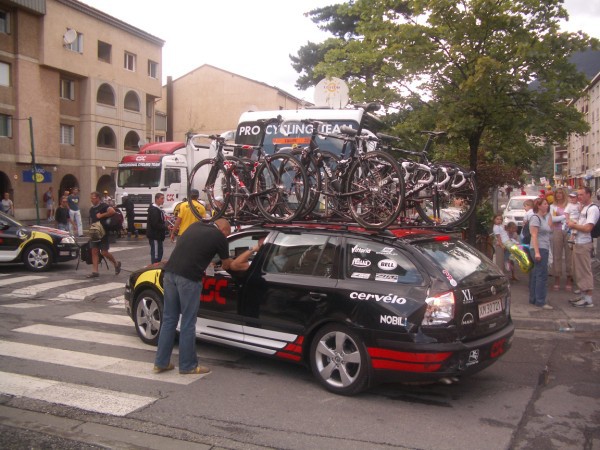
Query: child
[[501, 236], [528, 206], [571, 212], [513, 238]]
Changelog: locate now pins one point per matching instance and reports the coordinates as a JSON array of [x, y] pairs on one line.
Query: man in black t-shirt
[[182, 283], [99, 212]]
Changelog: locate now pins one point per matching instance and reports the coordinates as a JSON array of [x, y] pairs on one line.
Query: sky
[[254, 38]]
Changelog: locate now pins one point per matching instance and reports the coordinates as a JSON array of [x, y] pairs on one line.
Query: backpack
[[114, 222], [85, 253], [526, 234], [97, 231], [596, 230]]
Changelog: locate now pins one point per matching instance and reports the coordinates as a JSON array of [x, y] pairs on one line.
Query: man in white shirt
[[582, 250]]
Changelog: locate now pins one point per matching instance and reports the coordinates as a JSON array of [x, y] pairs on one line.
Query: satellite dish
[[69, 36], [331, 92]]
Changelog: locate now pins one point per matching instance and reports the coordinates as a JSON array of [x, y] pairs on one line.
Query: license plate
[[490, 308]]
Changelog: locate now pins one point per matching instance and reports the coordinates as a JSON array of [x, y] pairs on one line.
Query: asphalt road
[[74, 375]]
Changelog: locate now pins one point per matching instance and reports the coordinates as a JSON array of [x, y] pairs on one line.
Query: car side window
[[308, 254], [373, 261]]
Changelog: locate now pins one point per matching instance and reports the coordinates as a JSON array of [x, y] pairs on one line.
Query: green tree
[[466, 67]]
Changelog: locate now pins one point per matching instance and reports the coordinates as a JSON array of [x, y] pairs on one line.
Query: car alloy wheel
[[37, 257], [148, 311], [339, 360]]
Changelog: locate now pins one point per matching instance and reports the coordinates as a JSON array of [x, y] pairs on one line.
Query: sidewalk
[[564, 317]]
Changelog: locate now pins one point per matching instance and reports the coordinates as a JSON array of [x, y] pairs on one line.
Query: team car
[[36, 246], [356, 306]]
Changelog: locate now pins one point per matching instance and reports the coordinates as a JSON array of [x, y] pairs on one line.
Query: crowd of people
[[560, 237]]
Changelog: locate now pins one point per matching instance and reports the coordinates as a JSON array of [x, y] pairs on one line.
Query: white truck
[[164, 166]]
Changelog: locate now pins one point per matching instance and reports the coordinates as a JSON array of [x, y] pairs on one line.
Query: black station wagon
[[356, 306]]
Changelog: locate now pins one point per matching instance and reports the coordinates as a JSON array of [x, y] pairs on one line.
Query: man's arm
[[241, 263]]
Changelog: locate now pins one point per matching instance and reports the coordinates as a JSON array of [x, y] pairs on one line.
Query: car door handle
[[317, 296]]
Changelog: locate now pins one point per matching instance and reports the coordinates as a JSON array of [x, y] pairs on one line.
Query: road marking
[[81, 294], [31, 291], [111, 319], [120, 249], [98, 363], [83, 397], [98, 337], [21, 279], [24, 305]]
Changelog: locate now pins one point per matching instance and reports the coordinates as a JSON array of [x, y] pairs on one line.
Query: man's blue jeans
[[538, 279], [156, 250], [182, 297]]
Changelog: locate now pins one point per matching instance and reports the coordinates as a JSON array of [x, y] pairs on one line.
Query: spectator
[[62, 216], [528, 207], [156, 228], [7, 205], [582, 249], [572, 213], [129, 207], [182, 287], [75, 212], [508, 191], [513, 239], [501, 236], [106, 198], [186, 217], [540, 226], [99, 212], [561, 253], [49, 202]]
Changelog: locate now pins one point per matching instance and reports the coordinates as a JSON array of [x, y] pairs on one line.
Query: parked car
[[36, 246], [514, 211], [356, 306]]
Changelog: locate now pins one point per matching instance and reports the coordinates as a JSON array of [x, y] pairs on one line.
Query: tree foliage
[[495, 74]]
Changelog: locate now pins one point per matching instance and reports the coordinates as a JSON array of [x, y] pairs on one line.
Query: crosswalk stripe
[[99, 337], [120, 249], [99, 363], [6, 282], [111, 319], [81, 294], [31, 291], [23, 305], [83, 397]]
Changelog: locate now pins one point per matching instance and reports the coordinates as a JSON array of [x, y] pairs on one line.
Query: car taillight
[[440, 309]]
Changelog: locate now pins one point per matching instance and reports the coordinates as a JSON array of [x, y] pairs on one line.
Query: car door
[[11, 237], [293, 287], [222, 294]]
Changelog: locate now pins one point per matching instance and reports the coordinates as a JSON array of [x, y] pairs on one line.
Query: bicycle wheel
[[376, 190], [279, 188], [451, 204]]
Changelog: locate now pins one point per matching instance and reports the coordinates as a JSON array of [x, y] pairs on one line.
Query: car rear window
[[459, 261], [373, 261]]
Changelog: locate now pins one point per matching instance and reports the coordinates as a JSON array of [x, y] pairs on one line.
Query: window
[[132, 101], [309, 254], [159, 138], [67, 89], [152, 69], [5, 125], [132, 140], [172, 176], [366, 260], [106, 138], [67, 134], [129, 61], [104, 51], [106, 95], [4, 74], [4, 22], [76, 45]]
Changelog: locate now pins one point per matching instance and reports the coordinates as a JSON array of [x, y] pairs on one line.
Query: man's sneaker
[[583, 303], [576, 299]]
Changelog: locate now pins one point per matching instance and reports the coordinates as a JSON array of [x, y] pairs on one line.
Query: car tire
[[339, 360], [37, 257], [147, 316]]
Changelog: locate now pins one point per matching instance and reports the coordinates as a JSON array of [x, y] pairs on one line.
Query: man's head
[[159, 198], [584, 195], [75, 190], [105, 192], [94, 197], [194, 194], [224, 226]]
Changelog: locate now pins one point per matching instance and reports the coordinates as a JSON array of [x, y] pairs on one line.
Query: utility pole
[[34, 173]]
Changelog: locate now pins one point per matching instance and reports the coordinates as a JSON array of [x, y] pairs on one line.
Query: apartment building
[[77, 92], [210, 100]]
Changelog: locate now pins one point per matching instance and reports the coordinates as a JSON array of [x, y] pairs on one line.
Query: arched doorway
[[67, 183], [107, 183], [5, 185]]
